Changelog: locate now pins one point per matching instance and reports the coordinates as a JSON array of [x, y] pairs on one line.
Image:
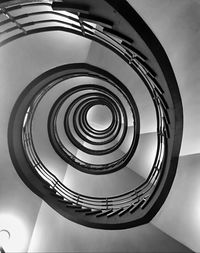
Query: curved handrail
[[138, 62]]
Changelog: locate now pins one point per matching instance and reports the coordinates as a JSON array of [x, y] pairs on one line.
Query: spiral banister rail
[[138, 47]]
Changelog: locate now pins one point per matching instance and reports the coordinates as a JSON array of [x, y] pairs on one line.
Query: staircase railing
[[125, 209]]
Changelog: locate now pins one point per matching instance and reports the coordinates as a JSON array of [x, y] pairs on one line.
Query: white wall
[[18, 205], [53, 233], [176, 24], [20, 63], [180, 215]]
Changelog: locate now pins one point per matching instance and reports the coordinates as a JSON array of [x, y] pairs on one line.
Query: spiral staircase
[[78, 127]]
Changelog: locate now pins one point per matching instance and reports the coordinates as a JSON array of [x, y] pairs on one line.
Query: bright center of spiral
[[99, 117]]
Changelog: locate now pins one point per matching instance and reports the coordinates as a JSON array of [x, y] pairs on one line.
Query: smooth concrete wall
[[18, 205], [53, 233], [180, 215], [20, 62], [176, 24], [143, 159]]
